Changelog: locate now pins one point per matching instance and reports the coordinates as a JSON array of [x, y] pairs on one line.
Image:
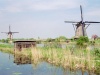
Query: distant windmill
[[10, 34], [80, 27]]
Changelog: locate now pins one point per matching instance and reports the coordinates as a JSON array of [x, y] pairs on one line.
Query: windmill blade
[[9, 29], [81, 13], [70, 22], [5, 32], [91, 22], [14, 32]]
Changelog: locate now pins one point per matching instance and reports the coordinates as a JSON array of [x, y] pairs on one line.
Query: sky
[[45, 18]]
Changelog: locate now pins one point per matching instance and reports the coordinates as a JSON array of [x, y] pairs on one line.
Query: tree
[[61, 38], [3, 40], [49, 40]]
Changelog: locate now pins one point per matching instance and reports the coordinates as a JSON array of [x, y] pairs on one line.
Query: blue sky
[[45, 18]]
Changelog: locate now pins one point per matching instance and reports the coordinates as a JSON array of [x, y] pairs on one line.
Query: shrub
[[82, 40]]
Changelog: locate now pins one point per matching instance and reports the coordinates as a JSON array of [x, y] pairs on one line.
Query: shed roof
[[24, 41]]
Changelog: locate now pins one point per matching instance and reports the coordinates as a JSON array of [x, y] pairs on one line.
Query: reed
[[66, 58], [7, 50], [75, 58]]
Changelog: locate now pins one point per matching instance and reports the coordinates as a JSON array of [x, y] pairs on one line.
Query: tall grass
[[72, 57], [8, 48], [65, 57]]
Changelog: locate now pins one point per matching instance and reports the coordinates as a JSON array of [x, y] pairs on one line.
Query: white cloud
[[25, 5], [0, 12], [94, 13], [55, 4], [1, 15], [13, 9]]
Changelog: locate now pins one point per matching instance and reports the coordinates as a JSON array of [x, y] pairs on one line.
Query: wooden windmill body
[[80, 31], [81, 26]]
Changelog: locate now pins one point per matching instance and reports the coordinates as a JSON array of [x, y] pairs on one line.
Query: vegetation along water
[[74, 58]]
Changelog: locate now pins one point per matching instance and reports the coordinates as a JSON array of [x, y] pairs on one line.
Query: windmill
[[9, 33], [81, 26]]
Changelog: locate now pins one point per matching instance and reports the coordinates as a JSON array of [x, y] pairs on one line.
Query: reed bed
[[7, 50], [74, 58], [65, 57]]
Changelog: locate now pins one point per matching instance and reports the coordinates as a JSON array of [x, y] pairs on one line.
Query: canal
[[9, 66]]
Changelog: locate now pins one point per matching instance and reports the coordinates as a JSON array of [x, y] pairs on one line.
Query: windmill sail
[[80, 26], [10, 34]]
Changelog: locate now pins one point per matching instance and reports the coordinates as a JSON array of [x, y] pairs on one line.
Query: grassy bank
[[74, 58], [84, 59], [7, 48], [65, 57]]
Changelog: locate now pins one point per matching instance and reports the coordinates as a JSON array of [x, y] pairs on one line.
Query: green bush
[[82, 40]]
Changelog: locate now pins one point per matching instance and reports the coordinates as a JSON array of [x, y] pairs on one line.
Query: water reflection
[[44, 68], [21, 59]]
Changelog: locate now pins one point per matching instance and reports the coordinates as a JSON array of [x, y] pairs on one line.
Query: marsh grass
[[74, 58], [7, 48]]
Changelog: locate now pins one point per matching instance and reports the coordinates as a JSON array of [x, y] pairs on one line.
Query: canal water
[[8, 66]]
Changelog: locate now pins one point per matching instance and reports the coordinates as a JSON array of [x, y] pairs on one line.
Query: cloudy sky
[[45, 18]]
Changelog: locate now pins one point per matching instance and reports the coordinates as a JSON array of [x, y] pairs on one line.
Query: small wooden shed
[[18, 45]]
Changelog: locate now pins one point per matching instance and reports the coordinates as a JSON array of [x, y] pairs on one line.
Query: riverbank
[[77, 59], [20, 65], [74, 58], [7, 48]]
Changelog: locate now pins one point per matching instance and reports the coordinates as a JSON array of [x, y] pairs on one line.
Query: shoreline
[[81, 59]]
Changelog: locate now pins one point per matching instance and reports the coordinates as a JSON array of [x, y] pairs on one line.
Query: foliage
[[74, 58], [52, 45], [60, 39], [98, 68], [97, 53], [49, 40], [4, 40], [6, 46], [82, 40], [97, 41]]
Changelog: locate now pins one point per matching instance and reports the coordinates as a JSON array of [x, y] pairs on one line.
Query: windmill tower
[[81, 26], [10, 34]]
